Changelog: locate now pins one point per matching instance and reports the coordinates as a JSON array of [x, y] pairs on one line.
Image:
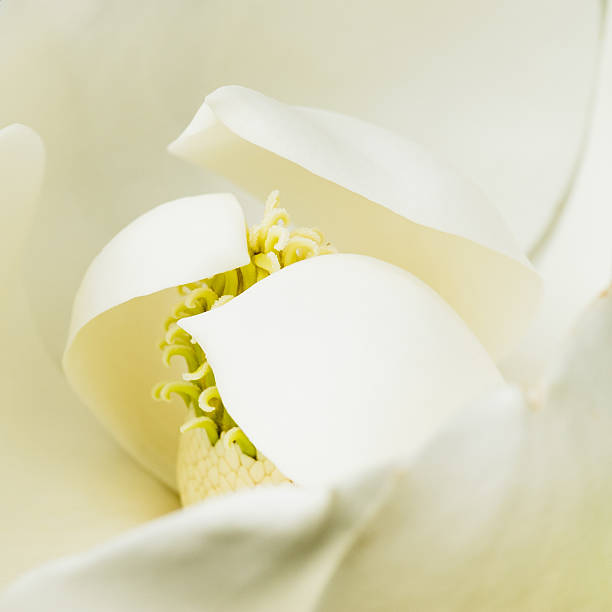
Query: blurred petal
[[332, 170], [64, 482], [111, 358], [508, 510], [500, 89], [339, 363], [576, 260], [22, 162], [269, 548]]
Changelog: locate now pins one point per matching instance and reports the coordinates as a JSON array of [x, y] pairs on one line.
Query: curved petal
[[331, 169], [508, 509], [119, 312], [340, 362], [64, 483]]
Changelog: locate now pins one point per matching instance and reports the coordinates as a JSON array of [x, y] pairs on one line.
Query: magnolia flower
[[312, 327], [89, 493], [361, 384]]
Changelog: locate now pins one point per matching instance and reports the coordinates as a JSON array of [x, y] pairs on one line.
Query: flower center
[[272, 246]]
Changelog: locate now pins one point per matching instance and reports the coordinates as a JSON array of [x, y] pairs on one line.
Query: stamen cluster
[[272, 246]]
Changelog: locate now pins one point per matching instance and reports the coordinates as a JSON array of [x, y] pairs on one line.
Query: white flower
[[446, 487], [372, 193], [332, 520]]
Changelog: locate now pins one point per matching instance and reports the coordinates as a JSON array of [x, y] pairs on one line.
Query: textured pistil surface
[[215, 456], [205, 469]]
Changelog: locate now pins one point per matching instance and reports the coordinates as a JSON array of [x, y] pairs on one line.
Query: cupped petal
[[372, 193], [339, 363], [119, 311], [508, 509]]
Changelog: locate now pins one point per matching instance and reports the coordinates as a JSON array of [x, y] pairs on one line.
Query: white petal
[[341, 362], [508, 509], [64, 482], [270, 548], [111, 358], [576, 260], [331, 168]]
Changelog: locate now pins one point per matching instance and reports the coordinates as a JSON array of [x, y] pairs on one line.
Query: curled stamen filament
[[187, 352], [236, 436], [206, 399], [205, 423], [188, 391], [199, 373]]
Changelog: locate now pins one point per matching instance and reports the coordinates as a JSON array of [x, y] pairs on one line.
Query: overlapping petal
[[112, 358], [340, 363], [506, 509], [433, 222], [376, 194]]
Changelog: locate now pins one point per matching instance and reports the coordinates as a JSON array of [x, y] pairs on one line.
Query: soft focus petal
[[270, 548], [331, 168], [64, 483], [508, 510], [576, 260], [22, 162], [339, 363], [499, 88], [112, 359]]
